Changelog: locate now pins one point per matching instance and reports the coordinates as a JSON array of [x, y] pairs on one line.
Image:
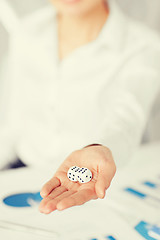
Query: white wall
[[147, 11]]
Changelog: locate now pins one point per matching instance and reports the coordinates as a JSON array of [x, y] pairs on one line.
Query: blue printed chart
[[150, 196], [130, 210], [105, 238], [19, 200], [138, 193], [28, 199], [147, 191], [148, 231]]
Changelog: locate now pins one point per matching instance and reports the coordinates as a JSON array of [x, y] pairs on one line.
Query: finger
[[75, 199], [49, 186], [105, 176], [55, 193], [52, 203]]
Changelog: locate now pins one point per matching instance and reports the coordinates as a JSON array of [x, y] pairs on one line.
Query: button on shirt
[[101, 93]]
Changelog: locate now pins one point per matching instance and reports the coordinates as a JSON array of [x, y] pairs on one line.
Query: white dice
[[77, 174], [84, 176], [72, 173]]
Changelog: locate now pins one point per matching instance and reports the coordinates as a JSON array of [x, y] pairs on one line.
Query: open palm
[[61, 193]]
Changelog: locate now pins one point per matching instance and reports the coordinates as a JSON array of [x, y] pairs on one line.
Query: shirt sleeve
[[128, 102], [7, 149]]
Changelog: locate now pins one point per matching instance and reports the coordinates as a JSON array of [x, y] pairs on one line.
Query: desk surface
[[109, 217]]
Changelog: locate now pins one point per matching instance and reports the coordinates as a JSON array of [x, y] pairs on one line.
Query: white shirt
[[101, 93]]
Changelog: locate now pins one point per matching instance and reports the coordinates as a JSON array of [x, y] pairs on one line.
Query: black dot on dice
[[73, 179], [73, 175], [86, 176], [90, 177], [69, 177], [69, 173]]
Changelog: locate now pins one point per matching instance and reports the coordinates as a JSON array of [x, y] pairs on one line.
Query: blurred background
[[125, 195], [146, 11]]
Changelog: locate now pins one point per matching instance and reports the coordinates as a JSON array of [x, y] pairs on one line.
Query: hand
[[61, 193]]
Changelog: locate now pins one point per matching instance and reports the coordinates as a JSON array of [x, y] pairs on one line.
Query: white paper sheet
[[135, 193], [94, 220]]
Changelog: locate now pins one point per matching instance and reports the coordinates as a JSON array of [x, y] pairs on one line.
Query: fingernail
[[45, 211], [43, 194], [101, 194], [60, 207]]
